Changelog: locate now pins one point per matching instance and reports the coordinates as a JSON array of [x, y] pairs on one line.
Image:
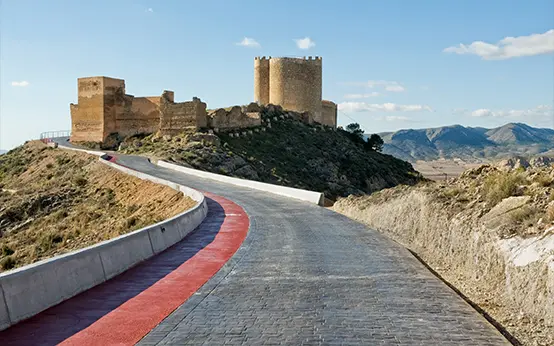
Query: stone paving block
[[307, 275]]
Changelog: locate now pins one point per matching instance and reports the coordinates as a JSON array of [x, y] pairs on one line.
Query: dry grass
[[498, 186], [54, 201]]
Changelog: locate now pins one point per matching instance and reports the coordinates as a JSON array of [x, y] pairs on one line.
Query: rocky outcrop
[[235, 118]]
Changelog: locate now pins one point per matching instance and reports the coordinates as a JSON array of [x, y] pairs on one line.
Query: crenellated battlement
[[299, 58]]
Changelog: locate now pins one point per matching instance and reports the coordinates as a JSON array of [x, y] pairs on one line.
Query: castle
[[294, 84], [104, 109]]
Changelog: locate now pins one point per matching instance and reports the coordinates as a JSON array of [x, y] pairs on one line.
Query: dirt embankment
[[490, 233], [54, 201]]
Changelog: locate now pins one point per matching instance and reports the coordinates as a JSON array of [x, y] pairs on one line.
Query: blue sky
[[389, 64]]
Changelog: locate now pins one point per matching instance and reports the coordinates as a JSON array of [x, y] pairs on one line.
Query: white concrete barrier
[[28, 290], [91, 152], [304, 195]]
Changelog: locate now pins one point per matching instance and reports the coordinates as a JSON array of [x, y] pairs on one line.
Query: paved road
[[307, 275]]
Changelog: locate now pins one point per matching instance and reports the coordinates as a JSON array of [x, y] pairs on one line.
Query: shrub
[[62, 160], [131, 222], [80, 181], [452, 192], [523, 214], [7, 263], [60, 215], [498, 186], [544, 180], [6, 250]]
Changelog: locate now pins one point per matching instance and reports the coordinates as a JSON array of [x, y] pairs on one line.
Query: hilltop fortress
[[294, 84], [104, 109]]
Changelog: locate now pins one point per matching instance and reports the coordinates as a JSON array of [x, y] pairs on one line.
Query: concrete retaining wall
[[305, 195], [28, 290]]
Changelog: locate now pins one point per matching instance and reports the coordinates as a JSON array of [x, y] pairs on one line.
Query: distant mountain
[[3, 151], [468, 143]]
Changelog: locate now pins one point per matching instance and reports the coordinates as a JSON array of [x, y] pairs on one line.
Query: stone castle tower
[[294, 84]]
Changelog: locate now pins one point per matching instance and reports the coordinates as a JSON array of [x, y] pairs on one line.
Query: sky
[[388, 64]]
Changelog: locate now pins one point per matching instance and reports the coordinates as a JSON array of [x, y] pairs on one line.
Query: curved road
[[307, 275]]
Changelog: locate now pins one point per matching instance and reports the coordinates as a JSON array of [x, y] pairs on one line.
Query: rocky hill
[[489, 232], [284, 151], [54, 201], [472, 144]]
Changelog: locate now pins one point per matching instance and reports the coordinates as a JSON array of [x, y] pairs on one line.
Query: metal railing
[[47, 137]]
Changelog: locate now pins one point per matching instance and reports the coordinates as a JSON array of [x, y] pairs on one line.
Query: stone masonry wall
[[292, 83], [328, 114], [296, 84], [87, 117], [175, 117], [104, 109], [235, 118], [261, 80]]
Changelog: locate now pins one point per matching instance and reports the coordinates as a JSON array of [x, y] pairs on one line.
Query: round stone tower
[[296, 84], [261, 80]]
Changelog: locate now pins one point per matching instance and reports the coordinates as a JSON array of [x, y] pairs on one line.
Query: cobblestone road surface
[[307, 275]]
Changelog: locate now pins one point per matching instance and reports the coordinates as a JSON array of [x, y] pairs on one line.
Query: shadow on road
[[60, 322]]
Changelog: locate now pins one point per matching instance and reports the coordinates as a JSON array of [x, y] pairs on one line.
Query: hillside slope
[[490, 233], [472, 144], [286, 152], [54, 201]]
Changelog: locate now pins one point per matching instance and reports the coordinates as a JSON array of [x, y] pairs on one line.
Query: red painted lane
[[130, 322], [125, 308]]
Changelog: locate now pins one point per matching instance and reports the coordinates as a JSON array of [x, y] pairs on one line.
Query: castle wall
[[141, 115], [175, 117], [104, 109], [235, 118], [115, 101], [296, 84], [328, 114], [87, 117], [261, 80]]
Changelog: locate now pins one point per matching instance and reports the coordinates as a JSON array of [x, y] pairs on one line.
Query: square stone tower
[[93, 118]]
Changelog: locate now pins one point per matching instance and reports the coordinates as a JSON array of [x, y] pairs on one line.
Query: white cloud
[[395, 88], [483, 112], [23, 83], [540, 111], [361, 96], [386, 85], [304, 43], [396, 118], [248, 42], [150, 9], [385, 107], [508, 47]]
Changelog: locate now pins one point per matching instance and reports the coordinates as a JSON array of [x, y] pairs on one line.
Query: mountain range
[[3, 151], [468, 143]]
